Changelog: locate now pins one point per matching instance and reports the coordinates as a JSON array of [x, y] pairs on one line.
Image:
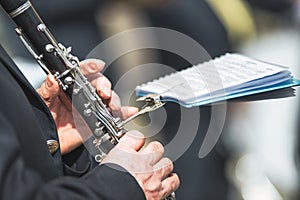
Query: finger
[[154, 151], [164, 168], [170, 184], [91, 66], [115, 105], [49, 89], [132, 141], [128, 111], [102, 85]]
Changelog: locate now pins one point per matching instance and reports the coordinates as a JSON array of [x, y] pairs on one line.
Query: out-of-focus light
[[254, 184]]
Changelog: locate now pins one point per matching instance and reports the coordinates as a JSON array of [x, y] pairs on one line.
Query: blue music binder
[[228, 77]]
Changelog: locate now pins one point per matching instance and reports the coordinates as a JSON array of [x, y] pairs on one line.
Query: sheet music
[[229, 74]]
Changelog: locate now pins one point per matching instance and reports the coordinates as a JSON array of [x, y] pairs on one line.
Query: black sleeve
[[17, 181]]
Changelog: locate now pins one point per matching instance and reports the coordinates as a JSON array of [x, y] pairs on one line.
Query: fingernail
[[96, 64], [93, 66], [48, 83]]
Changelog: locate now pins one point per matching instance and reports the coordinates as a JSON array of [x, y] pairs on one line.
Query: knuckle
[[168, 160], [164, 166], [154, 186], [168, 163], [157, 146], [176, 181], [165, 192]]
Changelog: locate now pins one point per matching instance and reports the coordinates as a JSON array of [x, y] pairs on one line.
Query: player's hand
[[151, 170], [61, 107]]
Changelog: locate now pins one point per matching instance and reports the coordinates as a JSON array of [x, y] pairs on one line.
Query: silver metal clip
[[152, 102]]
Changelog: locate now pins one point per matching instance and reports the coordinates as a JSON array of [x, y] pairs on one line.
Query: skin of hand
[[152, 171], [61, 107]]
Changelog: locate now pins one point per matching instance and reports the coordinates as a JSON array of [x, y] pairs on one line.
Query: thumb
[[49, 89]]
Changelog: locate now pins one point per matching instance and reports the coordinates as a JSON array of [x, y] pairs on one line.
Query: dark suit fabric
[[27, 169]]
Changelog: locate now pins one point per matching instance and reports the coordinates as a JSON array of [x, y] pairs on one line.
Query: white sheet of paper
[[219, 77]]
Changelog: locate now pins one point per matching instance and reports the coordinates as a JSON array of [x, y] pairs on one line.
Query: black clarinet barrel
[[11, 5], [27, 21]]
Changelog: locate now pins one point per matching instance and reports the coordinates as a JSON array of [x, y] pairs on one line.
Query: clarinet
[[56, 59]]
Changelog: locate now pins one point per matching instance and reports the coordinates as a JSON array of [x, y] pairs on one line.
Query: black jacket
[[27, 169]]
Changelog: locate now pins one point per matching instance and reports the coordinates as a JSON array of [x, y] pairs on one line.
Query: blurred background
[[257, 156]]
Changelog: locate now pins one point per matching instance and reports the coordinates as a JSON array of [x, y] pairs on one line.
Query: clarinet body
[[56, 59]]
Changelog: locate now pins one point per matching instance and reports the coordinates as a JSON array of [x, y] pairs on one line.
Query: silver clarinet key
[[152, 102]]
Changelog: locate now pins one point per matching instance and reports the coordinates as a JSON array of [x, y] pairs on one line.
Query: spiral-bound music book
[[227, 77]]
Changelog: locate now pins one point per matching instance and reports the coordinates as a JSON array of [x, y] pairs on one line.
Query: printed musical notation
[[226, 77]]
